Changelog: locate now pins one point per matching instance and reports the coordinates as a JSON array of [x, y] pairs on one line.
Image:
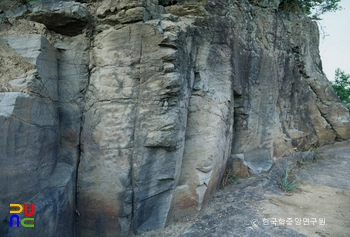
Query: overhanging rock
[[66, 18]]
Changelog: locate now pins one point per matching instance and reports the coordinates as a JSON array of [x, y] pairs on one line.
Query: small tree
[[313, 8], [342, 86]]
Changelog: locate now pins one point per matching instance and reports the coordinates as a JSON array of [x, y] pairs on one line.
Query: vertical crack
[[80, 147], [323, 115], [133, 168], [337, 136]]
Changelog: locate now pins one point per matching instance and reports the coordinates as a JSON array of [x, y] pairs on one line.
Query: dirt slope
[[319, 206]]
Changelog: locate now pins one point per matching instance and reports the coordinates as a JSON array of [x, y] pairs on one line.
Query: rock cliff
[[119, 116]]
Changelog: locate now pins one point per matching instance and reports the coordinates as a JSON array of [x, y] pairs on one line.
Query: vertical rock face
[[29, 114], [123, 115], [135, 124]]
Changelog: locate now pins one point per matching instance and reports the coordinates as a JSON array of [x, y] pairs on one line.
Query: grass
[[287, 183], [317, 156], [302, 161], [229, 178]]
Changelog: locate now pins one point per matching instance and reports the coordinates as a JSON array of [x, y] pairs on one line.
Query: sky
[[335, 40]]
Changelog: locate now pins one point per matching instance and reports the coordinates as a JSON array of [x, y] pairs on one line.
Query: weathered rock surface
[[30, 168], [125, 114], [66, 18]]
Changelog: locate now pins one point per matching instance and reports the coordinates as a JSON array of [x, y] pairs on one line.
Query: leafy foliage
[[313, 8], [342, 86], [286, 184]]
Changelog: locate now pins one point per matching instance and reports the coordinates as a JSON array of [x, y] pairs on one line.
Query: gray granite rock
[[272, 4], [30, 144], [258, 161], [66, 18], [124, 114]]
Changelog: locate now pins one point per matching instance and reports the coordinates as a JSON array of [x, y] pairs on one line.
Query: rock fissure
[[329, 124], [33, 124]]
